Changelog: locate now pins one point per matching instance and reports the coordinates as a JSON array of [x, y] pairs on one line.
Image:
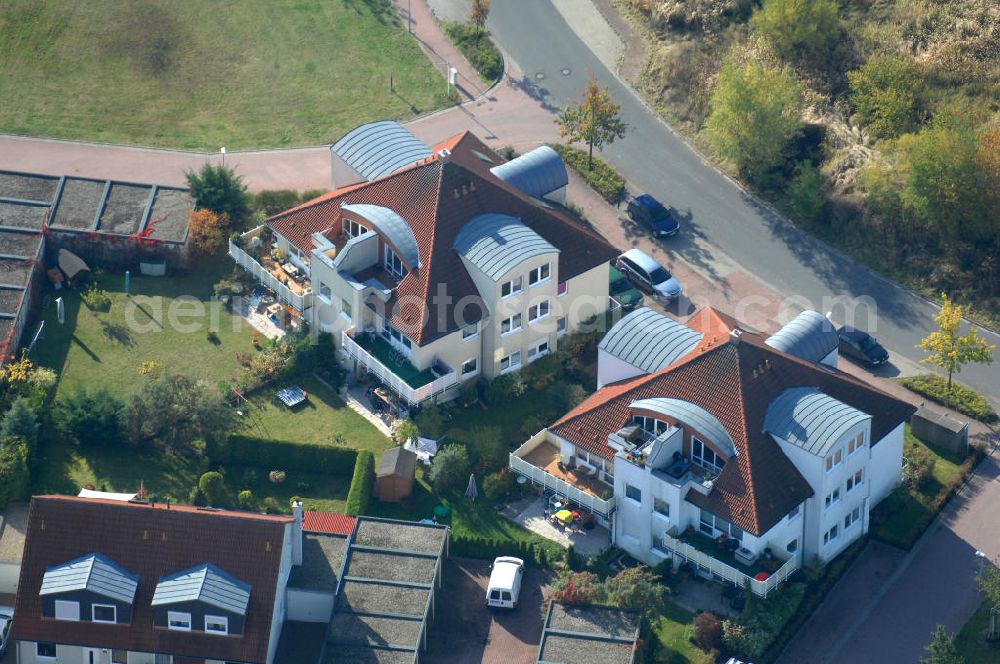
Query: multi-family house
[[434, 266], [118, 582], [709, 443]]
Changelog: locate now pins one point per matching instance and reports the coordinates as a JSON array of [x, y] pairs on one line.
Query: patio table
[[292, 396]]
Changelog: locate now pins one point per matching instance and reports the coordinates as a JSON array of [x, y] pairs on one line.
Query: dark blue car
[[652, 214]]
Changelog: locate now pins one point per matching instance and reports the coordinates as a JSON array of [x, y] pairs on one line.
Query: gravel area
[[359, 655], [23, 216], [28, 187], [391, 567], [382, 598], [14, 272], [78, 204], [15, 522], [169, 217], [124, 209], [351, 629], [400, 536], [565, 650], [19, 244], [593, 620], [322, 558], [10, 300]]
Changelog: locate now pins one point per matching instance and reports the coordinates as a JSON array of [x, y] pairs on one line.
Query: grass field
[[199, 75], [671, 636], [971, 640]]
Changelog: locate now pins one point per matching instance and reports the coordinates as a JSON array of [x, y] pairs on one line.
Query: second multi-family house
[[434, 266], [708, 443]]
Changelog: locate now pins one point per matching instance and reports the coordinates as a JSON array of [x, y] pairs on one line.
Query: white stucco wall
[[611, 369], [309, 605], [886, 467]]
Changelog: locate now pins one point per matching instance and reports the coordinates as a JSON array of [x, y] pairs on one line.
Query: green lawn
[[467, 517], [971, 642], [150, 324], [239, 73], [394, 360], [903, 516], [671, 638]]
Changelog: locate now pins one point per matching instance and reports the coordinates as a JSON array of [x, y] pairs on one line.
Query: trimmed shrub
[[271, 505], [360, 493], [477, 48], [450, 469], [603, 178], [95, 299], [277, 476], [213, 486], [246, 499], [240, 450], [962, 399], [469, 545], [14, 476], [89, 417]]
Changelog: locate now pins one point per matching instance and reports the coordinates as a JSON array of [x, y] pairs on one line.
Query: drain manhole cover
[[539, 75], [565, 71]]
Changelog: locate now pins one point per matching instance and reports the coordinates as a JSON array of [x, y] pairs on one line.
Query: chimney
[[297, 532], [735, 334], [444, 155]]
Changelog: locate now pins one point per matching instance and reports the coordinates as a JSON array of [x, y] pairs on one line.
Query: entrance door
[[92, 656]]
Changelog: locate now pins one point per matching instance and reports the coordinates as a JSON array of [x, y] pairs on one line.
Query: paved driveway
[[887, 605], [465, 631]]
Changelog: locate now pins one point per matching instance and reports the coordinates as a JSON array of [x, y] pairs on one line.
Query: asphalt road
[[557, 65]]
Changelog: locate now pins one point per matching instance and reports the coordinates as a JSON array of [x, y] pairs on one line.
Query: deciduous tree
[[208, 230], [948, 349], [479, 13], [176, 411], [942, 649], [218, 188], [756, 112], [450, 469], [886, 91], [799, 29], [595, 120], [89, 417]]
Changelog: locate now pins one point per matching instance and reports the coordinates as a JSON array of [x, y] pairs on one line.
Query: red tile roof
[[735, 382], [327, 523], [436, 198], [151, 542]]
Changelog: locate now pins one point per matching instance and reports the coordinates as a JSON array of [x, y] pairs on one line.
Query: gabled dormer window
[[217, 624], [104, 613], [67, 610], [179, 621], [704, 456]]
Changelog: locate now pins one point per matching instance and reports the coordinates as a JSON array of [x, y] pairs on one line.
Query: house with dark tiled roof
[[709, 443], [434, 265], [124, 582]]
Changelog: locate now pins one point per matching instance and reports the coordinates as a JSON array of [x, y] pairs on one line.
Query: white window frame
[[220, 619], [562, 288], [792, 546], [475, 370], [466, 335], [120, 660], [67, 604], [389, 263], [852, 518], [55, 648], [835, 460], [665, 504], [856, 444], [855, 480], [561, 325], [536, 351], [328, 298], [832, 498], [516, 286], [511, 366], [832, 534], [700, 460], [512, 328], [535, 311], [93, 613], [638, 500], [795, 512], [348, 227], [179, 616], [535, 275]]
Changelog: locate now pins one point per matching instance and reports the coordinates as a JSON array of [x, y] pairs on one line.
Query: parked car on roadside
[[648, 275], [505, 582], [6, 620], [651, 213], [623, 291], [860, 346]]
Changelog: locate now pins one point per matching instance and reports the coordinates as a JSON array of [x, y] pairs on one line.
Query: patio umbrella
[[471, 491]]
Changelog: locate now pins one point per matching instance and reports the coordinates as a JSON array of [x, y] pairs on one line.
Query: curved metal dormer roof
[[496, 243], [692, 415], [536, 173], [203, 583], [648, 340], [379, 148], [810, 419], [94, 573], [808, 336], [392, 226]]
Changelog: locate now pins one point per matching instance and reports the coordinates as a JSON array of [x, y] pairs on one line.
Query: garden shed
[[394, 479]]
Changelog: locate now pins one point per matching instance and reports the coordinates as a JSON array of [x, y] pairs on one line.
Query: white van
[[505, 582]]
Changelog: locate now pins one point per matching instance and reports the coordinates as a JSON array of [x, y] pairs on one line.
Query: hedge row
[[893, 537], [603, 178], [282, 455], [360, 493], [962, 399], [478, 49], [474, 546]]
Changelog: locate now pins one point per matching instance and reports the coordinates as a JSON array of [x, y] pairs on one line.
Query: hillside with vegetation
[[875, 124]]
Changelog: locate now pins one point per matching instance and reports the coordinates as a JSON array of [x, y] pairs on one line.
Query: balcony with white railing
[[394, 370], [538, 461], [289, 289], [685, 551]]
